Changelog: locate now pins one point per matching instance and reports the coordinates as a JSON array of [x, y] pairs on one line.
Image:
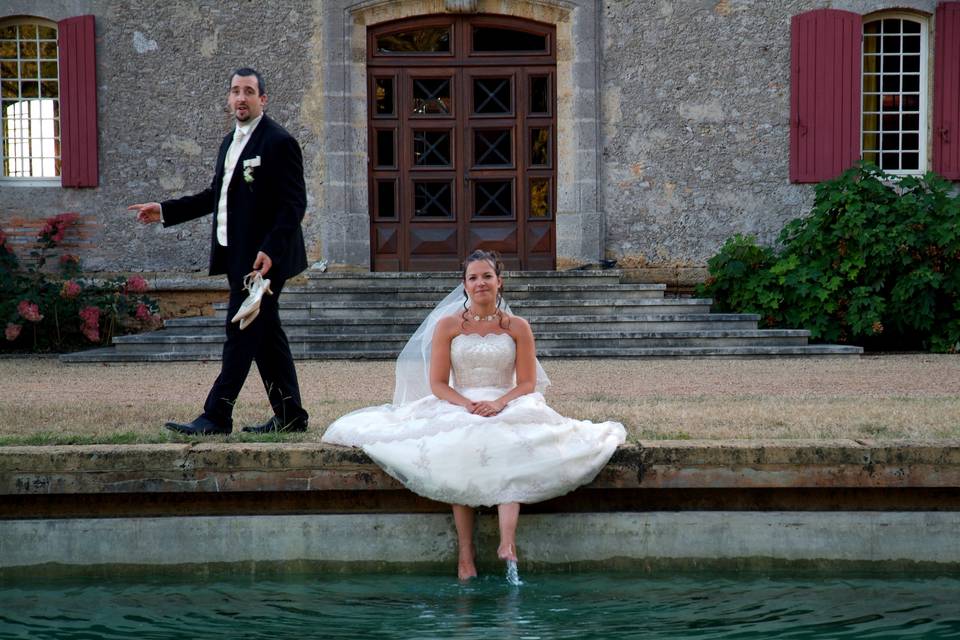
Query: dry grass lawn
[[886, 397]]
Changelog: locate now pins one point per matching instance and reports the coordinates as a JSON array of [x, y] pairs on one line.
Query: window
[[861, 87], [422, 40], [48, 102], [895, 93], [30, 107]]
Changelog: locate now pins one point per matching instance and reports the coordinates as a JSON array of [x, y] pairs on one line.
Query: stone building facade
[[672, 120]]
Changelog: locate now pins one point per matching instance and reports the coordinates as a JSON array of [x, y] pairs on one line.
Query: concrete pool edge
[[659, 503], [297, 467], [371, 542]]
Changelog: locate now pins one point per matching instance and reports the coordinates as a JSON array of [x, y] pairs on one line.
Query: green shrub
[[876, 263], [44, 309]]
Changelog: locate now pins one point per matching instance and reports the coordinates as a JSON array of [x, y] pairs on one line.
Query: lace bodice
[[483, 361]]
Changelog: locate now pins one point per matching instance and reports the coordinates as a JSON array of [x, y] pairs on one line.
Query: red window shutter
[[78, 102], [824, 94], [946, 91]]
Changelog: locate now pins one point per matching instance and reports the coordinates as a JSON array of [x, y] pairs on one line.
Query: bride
[[483, 435]]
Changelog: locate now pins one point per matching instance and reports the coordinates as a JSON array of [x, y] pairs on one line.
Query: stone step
[[529, 309], [547, 342], [698, 352], [313, 342], [111, 354], [572, 313], [450, 279], [429, 292], [637, 322]]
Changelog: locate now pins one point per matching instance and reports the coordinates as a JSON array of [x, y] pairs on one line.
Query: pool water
[[547, 605]]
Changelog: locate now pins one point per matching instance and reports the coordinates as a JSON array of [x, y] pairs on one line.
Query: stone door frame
[[337, 108], [468, 199]]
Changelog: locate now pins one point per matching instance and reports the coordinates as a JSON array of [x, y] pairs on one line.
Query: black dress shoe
[[201, 426], [273, 425]]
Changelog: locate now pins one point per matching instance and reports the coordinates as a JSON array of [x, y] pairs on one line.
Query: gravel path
[[890, 396]]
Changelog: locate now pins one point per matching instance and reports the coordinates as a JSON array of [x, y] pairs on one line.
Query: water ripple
[[554, 606]]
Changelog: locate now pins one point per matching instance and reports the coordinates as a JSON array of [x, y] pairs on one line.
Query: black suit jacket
[[262, 215]]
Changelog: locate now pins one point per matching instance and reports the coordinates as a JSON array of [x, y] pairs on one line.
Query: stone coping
[[311, 467]]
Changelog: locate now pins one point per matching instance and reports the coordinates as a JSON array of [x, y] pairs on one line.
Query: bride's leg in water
[[508, 515], [463, 518]]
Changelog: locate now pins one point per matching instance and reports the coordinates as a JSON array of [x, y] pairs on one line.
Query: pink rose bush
[[61, 307]]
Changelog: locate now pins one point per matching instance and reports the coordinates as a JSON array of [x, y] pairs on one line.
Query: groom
[[258, 199]]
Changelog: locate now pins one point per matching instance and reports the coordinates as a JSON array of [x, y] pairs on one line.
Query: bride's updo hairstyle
[[493, 258]]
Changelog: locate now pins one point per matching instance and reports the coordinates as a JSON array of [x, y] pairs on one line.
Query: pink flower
[[137, 284], [29, 311], [91, 333], [69, 258], [91, 323], [13, 330], [56, 226], [70, 290], [53, 231], [143, 312], [90, 317]]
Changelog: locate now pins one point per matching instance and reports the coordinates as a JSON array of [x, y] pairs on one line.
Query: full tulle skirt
[[527, 453]]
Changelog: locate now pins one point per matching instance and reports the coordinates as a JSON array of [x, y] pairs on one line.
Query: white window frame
[[923, 163], [31, 181]]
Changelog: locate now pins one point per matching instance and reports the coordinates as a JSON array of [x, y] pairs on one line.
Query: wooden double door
[[462, 140]]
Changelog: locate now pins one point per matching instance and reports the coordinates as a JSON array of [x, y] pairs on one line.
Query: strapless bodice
[[483, 361], [525, 453]]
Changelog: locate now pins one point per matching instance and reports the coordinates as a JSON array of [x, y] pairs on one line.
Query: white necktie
[[234, 152], [229, 163]]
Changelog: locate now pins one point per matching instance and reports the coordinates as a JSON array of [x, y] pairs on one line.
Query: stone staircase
[[573, 314]]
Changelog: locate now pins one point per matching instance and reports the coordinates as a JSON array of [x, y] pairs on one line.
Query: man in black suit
[[258, 199]]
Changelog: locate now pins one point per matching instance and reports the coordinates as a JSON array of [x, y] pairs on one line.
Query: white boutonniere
[[248, 166]]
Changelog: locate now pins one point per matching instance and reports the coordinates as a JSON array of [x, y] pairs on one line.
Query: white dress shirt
[[240, 137]]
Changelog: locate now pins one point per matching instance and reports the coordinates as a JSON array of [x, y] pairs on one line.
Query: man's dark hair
[[247, 71]]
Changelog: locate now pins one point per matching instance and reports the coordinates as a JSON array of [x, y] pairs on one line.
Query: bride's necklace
[[490, 318]]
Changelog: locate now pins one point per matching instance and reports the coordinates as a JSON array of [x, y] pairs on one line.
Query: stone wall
[[163, 70], [673, 120], [696, 112]]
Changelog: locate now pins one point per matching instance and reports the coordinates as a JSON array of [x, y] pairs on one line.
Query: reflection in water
[[615, 605]]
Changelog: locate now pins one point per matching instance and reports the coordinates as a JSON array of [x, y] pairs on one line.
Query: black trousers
[[264, 342]]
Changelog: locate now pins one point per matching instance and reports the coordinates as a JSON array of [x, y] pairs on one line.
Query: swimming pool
[[548, 605]]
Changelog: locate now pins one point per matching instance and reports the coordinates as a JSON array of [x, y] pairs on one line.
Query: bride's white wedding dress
[[527, 453]]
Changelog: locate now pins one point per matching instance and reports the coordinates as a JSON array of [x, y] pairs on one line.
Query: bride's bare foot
[[466, 572], [466, 568], [507, 552]]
